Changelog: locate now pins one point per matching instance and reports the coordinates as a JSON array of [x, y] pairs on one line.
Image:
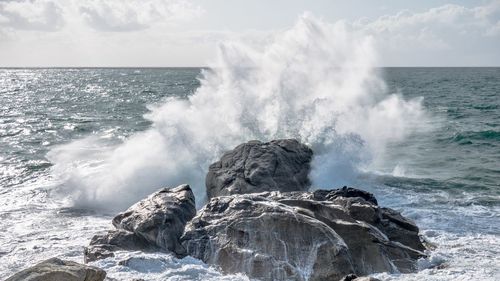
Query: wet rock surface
[[160, 218], [266, 240], [103, 245], [155, 223], [281, 165], [281, 232], [55, 269]]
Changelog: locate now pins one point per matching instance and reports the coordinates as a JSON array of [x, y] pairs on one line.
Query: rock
[[159, 219], [349, 277], [103, 245], [281, 165], [390, 222], [266, 240], [375, 243], [354, 277], [322, 195], [55, 269], [321, 235]]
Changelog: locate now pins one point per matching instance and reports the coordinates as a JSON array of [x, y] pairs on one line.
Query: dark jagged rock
[[390, 222], [365, 208], [255, 233], [55, 269], [322, 195], [366, 228], [160, 218], [155, 223], [103, 245], [281, 165]]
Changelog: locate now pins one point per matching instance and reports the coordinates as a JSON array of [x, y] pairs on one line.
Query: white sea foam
[[160, 266], [316, 82]]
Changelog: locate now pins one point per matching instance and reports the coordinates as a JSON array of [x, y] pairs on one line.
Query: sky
[[178, 33]]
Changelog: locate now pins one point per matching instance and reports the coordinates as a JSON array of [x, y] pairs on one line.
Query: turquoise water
[[446, 177]]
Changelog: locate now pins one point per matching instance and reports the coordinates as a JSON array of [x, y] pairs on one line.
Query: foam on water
[[316, 82], [159, 266]]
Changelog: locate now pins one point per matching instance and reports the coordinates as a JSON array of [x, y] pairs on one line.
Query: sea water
[[79, 145]]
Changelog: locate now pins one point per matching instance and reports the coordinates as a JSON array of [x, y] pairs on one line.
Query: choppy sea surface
[[59, 121]]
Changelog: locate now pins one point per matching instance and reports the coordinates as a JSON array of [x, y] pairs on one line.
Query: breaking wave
[[316, 82]]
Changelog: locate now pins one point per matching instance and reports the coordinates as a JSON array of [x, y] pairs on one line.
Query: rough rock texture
[[160, 218], [153, 224], [281, 165], [322, 195], [103, 245], [55, 269], [384, 240], [266, 240], [303, 236]]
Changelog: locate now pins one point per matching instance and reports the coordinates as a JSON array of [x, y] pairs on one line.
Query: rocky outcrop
[[104, 245], [266, 240], [262, 221], [153, 224], [281, 165], [55, 269], [302, 236], [160, 218], [376, 242]]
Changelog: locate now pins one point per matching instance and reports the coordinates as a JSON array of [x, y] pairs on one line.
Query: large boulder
[[266, 240], [160, 218], [281, 165], [379, 239], [155, 223], [55, 269], [321, 235]]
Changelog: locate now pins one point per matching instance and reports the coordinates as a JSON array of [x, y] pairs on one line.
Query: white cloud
[[42, 15], [116, 15], [164, 32], [101, 15], [441, 35]]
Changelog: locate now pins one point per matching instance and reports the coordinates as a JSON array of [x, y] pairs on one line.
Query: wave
[[316, 82], [470, 137]]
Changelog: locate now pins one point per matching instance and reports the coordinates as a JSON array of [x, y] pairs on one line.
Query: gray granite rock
[[55, 269], [266, 240], [295, 236], [379, 239], [103, 245], [160, 218], [281, 165]]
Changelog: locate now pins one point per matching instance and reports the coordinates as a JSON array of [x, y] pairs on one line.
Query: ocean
[[78, 145]]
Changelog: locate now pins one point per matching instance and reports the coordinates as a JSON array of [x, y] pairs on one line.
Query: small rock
[[322, 195], [103, 245], [55, 269]]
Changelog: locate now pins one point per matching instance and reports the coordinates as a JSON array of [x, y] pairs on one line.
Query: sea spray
[[315, 82]]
